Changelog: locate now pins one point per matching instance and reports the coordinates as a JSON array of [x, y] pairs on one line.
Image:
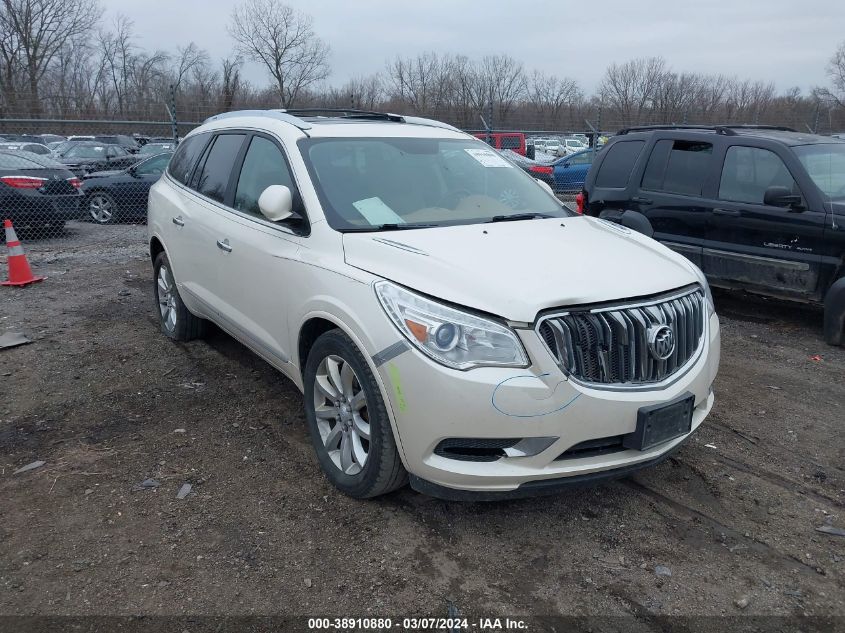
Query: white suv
[[446, 318]]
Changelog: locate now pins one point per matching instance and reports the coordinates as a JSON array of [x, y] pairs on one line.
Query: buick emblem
[[661, 341]]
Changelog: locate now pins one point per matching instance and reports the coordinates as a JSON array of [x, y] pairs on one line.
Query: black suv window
[[264, 165], [677, 166], [749, 171], [217, 168], [186, 157], [618, 162]]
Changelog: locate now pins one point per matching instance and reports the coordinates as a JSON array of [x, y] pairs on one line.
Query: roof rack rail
[[755, 126], [345, 113], [727, 130], [417, 120], [280, 115], [294, 116], [647, 128]]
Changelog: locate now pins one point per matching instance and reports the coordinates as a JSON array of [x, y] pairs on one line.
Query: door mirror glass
[[276, 203], [780, 197]]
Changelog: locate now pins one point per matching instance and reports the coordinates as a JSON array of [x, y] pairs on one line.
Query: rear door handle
[[641, 200], [178, 221], [223, 245], [731, 212]]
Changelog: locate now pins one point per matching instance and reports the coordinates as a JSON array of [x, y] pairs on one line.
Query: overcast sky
[[788, 42]]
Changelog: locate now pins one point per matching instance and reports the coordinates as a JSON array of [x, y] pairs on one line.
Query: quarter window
[[217, 169], [264, 165], [678, 167], [618, 162], [749, 171], [186, 157]]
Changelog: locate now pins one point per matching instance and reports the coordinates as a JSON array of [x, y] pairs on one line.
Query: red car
[[514, 141]]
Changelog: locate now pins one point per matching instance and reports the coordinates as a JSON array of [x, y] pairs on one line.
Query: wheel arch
[[312, 326]]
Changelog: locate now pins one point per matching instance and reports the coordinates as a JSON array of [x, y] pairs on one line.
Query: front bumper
[[431, 403]]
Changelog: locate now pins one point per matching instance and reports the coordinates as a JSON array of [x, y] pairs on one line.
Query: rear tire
[[175, 319], [834, 314], [101, 208], [348, 421]]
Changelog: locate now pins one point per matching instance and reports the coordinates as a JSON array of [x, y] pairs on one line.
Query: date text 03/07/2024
[[418, 624]]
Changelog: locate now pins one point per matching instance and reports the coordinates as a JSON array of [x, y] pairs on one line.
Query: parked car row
[[102, 184], [564, 175]]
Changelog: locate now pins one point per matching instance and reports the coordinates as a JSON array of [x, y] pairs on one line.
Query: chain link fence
[[75, 185]]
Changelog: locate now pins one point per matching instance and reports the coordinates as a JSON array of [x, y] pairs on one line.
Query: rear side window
[[678, 167], [217, 168], [618, 162], [186, 157], [511, 142], [749, 171], [264, 165]]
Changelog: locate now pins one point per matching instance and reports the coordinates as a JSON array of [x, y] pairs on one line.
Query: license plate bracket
[[660, 423]]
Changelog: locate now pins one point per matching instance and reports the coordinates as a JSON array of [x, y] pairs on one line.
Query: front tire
[[347, 420], [175, 319]]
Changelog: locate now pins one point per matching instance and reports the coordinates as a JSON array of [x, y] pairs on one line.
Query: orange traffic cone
[[20, 274]]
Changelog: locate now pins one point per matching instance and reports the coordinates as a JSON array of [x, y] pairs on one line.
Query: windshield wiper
[[387, 227], [519, 216]]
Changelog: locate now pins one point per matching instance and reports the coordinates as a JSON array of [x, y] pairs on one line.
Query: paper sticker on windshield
[[488, 157], [376, 212]]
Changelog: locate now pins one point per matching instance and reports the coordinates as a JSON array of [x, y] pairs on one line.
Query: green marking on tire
[[396, 379]]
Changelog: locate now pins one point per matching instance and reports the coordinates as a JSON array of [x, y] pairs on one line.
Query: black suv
[[759, 208]]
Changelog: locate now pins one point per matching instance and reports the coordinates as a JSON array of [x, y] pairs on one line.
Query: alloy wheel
[[166, 299], [340, 406], [101, 209]]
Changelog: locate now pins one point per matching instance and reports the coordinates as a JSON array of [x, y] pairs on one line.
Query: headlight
[[451, 337], [711, 306]]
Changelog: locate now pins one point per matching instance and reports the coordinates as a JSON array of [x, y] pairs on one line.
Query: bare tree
[[836, 72], [33, 32], [282, 39], [190, 59], [631, 88], [231, 82], [550, 96]]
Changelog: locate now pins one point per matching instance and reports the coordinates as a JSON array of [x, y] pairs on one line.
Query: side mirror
[[781, 197], [545, 186], [276, 203], [633, 220]]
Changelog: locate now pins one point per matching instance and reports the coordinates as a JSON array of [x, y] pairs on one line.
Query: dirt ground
[[727, 527]]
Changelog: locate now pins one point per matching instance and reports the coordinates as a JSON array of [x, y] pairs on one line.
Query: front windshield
[[86, 151], [825, 163], [369, 182]]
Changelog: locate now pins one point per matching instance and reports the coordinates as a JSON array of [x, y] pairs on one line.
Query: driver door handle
[[731, 212], [178, 221], [641, 200], [224, 245]]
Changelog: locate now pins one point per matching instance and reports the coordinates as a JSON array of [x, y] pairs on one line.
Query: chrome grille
[[610, 345]]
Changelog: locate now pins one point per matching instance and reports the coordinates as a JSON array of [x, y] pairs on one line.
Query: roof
[[339, 122], [784, 135]]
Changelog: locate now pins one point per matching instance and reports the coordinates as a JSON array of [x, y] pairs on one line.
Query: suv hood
[[516, 269]]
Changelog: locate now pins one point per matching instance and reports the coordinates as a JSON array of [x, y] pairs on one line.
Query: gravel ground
[[726, 527]]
